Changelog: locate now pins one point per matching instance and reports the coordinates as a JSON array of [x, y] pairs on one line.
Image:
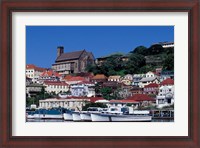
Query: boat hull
[[68, 116], [47, 116], [99, 117], [130, 118], [85, 116], [76, 116]]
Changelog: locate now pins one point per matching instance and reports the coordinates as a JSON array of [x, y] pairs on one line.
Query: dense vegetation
[[137, 61], [40, 96], [87, 105]]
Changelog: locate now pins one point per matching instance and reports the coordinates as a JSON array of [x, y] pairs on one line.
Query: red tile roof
[[140, 97], [67, 77], [99, 76], [50, 73], [94, 99], [85, 82], [76, 78], [168, 81], [32, 66], [123, 101], [151, 85]]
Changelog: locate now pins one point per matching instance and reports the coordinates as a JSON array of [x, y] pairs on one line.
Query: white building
[[56, 87], [33, 72], [49, 75], [148, 80], [69, 102], [150, 74], [137, 78], [127, 79], [83, 89], [114, 78], [165, 96], [72, 103], [167, 44]]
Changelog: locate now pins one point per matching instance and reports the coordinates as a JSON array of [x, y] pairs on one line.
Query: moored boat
[[121, 114], [68, 116], [86, 115], [130, 118], [54, 113], [76, 116], [100, 117]]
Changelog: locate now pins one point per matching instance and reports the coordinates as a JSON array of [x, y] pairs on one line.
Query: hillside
[[139, 60]]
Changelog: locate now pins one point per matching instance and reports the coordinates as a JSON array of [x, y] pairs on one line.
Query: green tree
[[140, 50], [134, 63], [169, 62], [155, 49], [31, 100], [106, 92]]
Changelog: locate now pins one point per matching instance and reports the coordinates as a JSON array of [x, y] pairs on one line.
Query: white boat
[[130, 118], [106, 115], [48, 116], [121, 114], [76, 116], [100, 117], [86, 115], [68, 116], [55, 113]]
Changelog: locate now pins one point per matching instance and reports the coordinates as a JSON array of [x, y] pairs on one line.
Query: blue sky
[[42, 41]]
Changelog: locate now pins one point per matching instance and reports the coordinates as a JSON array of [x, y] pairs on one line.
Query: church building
[[72, 62]]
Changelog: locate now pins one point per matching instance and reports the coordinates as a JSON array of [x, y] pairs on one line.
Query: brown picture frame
[[9, 6]]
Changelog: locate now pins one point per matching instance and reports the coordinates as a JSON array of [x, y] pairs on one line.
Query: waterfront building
[[56, 87], [143, 99], [124, 102], [33, 72], [72, 102], [72, 62]]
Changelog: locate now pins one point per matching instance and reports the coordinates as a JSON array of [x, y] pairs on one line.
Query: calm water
[[52, 120]]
